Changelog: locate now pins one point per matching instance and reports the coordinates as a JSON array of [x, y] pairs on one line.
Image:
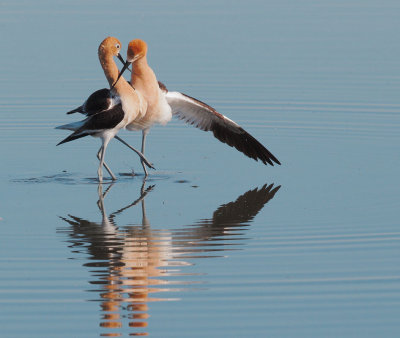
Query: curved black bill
[[120, 58], [126, 65]]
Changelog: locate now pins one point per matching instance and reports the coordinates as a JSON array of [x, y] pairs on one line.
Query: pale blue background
[[316, 81]]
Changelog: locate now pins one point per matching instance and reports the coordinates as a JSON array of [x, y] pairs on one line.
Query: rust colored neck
[[139, 66], [111, 71]]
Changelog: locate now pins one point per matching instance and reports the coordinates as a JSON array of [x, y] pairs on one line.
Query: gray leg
[[100, 170], [107, 167], [144, 134], [142, 158], [103, 152]]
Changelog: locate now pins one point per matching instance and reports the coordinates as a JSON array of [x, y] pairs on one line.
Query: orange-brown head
[[136, 49], [109, 46]]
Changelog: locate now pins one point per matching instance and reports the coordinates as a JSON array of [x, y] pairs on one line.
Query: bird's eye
[[118, 46]]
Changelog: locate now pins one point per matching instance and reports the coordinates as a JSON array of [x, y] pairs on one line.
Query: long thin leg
[[103, 152], [107, 167], [100, 170], [143, 159], [144, 134]]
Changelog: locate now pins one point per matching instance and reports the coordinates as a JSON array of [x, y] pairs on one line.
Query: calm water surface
[[213, 243]]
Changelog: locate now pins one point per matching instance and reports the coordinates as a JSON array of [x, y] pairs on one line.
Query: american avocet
[[99, 101], [108, 110], [161, 102]]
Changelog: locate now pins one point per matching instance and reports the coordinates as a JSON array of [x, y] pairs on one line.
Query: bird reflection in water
[[131, 263]]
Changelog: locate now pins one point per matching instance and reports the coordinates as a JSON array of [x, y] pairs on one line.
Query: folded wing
[[98, 101], [94, 124]]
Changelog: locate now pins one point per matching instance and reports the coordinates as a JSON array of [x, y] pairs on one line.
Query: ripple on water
[[75, 178], [133, 265]]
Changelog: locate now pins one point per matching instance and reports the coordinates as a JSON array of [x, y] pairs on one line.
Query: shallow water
[[213, 243]]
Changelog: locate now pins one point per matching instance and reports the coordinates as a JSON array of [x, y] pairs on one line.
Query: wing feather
[[100, 100], [206, 118], [107, 119]]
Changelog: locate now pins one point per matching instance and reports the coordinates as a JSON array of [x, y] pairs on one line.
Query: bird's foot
[[145, 161]]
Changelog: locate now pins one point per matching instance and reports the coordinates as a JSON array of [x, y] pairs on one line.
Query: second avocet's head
[[136, 50]]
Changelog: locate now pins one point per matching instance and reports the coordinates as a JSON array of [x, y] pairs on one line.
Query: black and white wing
[[94, 124], [206, 118], [98, 101]]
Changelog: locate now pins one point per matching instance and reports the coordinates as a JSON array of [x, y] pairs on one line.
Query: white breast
[[165, 109]]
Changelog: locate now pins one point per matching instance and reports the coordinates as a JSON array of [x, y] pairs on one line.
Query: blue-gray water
[[213, 244]]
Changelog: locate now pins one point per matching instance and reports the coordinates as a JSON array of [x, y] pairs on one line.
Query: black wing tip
[[76, 110], [257, 151], [245, 143], [67, 139], [270, 160], [72, 137], [63, 141]]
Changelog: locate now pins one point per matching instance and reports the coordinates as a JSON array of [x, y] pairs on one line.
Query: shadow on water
[[130, 264]]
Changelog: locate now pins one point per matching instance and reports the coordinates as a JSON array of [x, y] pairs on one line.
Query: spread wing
[[206, 118]]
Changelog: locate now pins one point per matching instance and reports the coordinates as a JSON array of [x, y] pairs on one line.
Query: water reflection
[[129, 264]]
